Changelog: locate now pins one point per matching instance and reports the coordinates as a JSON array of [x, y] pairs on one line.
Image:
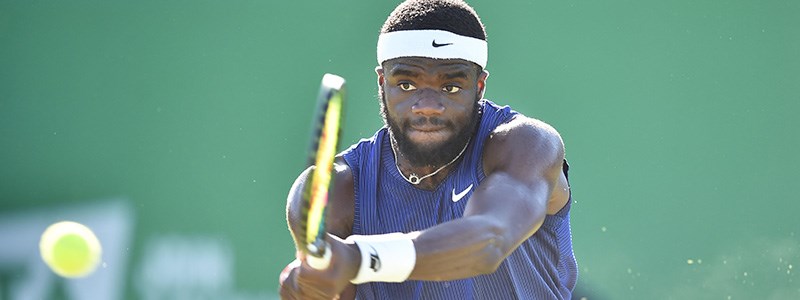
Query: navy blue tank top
[[543, 267]]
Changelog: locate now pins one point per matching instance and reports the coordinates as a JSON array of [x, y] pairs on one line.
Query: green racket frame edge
[[318, 255]]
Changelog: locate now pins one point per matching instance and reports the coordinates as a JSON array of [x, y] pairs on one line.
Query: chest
[[402, 207]]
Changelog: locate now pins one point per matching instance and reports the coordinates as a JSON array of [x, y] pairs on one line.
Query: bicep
[[522, 162], [341, 206], [294, 204], [339, 214]]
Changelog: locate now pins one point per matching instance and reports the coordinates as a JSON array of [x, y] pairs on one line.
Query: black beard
[[431, 155]]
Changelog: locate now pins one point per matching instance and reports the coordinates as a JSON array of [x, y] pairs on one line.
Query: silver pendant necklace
[[413, 178]]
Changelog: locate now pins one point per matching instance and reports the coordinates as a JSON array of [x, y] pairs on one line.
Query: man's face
[[430, 106]]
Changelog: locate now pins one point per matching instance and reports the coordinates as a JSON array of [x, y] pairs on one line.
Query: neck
[[415, 177]]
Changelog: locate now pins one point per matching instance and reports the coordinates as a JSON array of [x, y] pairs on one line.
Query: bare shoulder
[[531, 151], [524, 142]]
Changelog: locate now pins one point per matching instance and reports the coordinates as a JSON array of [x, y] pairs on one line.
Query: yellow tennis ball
[[70, 249]]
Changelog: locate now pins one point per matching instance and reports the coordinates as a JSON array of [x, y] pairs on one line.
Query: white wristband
[[384, 258]]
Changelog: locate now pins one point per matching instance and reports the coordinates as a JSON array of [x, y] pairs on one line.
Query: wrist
[[353, 256], [384, 258]]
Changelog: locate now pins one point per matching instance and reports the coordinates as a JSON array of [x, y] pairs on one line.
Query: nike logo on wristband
[[374, 260], [460, 195]]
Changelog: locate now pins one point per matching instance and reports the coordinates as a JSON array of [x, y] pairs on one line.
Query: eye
[[451, 89], [405, 86]]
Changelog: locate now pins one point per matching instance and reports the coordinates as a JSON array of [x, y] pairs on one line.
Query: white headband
[[433, 44]]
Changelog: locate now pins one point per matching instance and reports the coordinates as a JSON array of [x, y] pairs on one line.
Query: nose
[[428, 104]]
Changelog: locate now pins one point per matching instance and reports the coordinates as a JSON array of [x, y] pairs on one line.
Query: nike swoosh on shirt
[[460, 195]]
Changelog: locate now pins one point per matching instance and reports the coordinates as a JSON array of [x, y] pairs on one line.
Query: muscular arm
[[339, 222], [523, 163]]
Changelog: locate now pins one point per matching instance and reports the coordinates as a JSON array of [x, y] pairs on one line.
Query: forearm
[[478, 242], [458, 249]]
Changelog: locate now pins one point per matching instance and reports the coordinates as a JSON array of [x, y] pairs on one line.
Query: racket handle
[[320, 263]]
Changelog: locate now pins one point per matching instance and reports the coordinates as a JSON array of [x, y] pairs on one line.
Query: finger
[[286, 293], [288, 286], [310, 286], [285, 273]]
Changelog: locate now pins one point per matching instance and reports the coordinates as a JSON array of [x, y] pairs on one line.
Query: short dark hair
[[455, 16]]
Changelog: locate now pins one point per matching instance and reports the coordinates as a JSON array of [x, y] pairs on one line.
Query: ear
[[379, 72], [482, 82]]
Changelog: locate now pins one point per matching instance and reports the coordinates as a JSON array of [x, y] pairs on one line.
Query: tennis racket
[[326, 130]]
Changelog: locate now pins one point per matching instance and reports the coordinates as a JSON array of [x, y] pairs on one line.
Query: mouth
[[427, 128], [428, 134]]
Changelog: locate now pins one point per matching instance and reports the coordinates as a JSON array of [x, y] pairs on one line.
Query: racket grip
[[320, 263]]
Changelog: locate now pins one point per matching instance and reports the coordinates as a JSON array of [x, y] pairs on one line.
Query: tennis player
[[456, 197]]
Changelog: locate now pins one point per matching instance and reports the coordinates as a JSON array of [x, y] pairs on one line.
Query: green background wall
[[679, 119]]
